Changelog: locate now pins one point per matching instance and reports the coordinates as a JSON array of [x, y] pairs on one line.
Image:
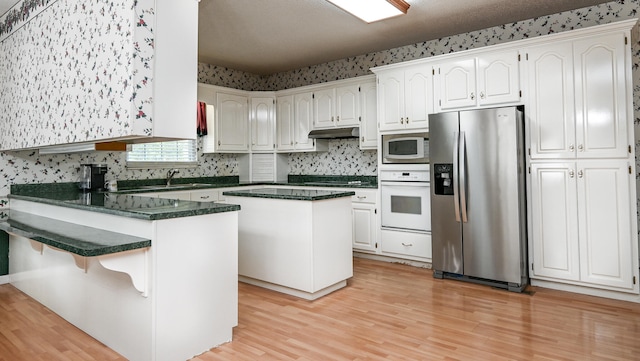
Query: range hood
[[335, 133]]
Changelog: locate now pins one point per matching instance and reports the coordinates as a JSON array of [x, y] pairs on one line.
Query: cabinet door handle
[[481, 95], [361, 197], [218, 143], [204, 197], [401, 120], [473, 96], [571, 148], [338, 118], [407, 244], [581, 148], [406, 120], [332, 119], [580, 174], [363, 139], [571, 174], [291, 143]]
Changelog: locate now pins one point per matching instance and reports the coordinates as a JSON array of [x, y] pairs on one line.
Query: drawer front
[[207, 195], [406, 243], [364, 196]]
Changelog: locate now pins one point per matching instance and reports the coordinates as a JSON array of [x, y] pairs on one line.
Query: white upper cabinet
[[324, 108], [405, 98], [578, 99], [294, 118], [368, 115], [303, 121], [232, 123], [601, 97], [550, 101], [262, 120], [285, 127], [336, 107], [485, 80]]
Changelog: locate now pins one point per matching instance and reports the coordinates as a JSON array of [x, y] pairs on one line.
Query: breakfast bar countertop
[[127, 205]]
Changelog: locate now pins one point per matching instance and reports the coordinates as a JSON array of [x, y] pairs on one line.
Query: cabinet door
[[554, 221], [232, 131], [391, 100], [368, 116], [605, 229], [457, 84], [418, 96], [347, 106], [262, 124], [364, 227], [498, 78], [551, 99], [285, 133], [303, 121], [601, 116], [323, 109]]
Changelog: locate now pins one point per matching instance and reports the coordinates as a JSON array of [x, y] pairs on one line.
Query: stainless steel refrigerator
[[478, 219]]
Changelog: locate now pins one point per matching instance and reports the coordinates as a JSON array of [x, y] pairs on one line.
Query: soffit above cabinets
[[267, 37]]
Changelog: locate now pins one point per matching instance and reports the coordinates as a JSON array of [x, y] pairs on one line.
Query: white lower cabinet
[[365, 225], [581, 224], [204, 195], [408, 245]]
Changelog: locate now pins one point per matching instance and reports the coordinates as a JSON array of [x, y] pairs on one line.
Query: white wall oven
[[405, 202], [412, 148]]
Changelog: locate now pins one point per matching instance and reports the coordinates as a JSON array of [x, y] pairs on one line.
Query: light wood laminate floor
[[387, 312]]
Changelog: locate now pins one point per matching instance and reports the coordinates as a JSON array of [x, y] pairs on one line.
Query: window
[[180, 153]]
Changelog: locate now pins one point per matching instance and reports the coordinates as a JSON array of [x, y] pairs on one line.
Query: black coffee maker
[[92, 177]]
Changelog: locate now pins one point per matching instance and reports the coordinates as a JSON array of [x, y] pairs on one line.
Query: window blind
[[163, 154]]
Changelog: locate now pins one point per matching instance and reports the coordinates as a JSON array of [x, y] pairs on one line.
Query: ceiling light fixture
[[373, 10]]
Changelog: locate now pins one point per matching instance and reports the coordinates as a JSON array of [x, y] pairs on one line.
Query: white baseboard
[[5, 279]]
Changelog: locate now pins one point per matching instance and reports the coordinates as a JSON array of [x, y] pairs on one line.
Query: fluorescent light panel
[[373, 10]]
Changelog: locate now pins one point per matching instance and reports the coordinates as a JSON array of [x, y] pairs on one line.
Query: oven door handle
[[403, 184], [456, 196]]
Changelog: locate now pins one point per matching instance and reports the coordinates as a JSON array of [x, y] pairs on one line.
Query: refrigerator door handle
[[456, 196], [463, 181]]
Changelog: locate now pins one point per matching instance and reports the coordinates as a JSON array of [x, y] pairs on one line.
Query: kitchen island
[[294, 241], [153, 279]]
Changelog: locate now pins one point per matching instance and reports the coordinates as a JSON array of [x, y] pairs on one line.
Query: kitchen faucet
[[170, 175]]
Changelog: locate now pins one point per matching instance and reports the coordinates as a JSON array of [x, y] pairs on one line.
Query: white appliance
[[405, 148], [405, 202]]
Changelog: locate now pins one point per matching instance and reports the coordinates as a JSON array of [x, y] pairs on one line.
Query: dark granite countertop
[[185, 184], [292, 194], [81, 240], [127, 205]]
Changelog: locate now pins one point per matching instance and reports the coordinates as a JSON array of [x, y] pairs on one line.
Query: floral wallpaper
[[343, 157], [75, 72]]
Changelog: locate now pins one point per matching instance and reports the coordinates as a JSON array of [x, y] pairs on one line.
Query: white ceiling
[[270, 36]]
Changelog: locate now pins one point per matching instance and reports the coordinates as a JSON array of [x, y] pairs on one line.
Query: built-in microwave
[[405, 148]]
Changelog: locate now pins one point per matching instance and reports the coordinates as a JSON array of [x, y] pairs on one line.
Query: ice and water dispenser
[[443, 179]]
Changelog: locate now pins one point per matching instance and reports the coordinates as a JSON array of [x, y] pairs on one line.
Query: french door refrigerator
[[478, 220]]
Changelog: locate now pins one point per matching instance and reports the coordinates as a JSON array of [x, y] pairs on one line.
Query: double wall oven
[[404, 182]]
